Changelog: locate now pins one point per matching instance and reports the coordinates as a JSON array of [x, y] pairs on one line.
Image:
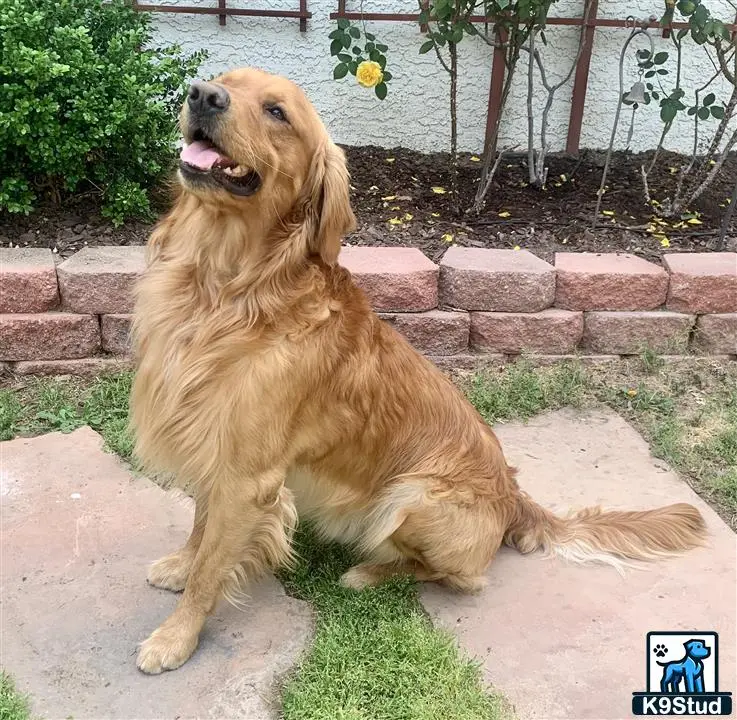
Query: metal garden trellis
[[581, 76], [222, 11]]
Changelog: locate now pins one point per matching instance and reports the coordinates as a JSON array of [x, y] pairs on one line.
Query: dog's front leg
[[238, 524]]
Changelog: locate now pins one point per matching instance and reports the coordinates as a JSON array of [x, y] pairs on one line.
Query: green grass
[[13, 706], [49, 405], [375, 655]]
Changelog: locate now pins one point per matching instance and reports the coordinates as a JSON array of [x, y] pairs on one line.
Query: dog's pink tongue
[[200, 154]]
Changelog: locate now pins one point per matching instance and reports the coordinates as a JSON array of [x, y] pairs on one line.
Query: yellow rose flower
[[369, 74]]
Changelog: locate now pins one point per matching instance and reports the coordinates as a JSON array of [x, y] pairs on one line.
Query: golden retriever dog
[[268, 388]]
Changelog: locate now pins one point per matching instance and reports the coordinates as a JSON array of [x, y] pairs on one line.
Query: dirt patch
[[396, 204]]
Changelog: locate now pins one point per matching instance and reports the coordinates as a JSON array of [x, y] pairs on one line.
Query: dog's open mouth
[[201, 160]]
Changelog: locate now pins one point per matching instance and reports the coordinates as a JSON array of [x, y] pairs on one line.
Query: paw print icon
[[660, 650]]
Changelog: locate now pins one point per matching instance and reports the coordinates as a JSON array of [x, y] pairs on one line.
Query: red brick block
[[716, 334], [434, 332], [608, 281], [101, 279], [702, 282], [550, 331], [48, 336], [495, 280], [27, 280], [83, 367], [395, 279], [629, 333], [116, 333]]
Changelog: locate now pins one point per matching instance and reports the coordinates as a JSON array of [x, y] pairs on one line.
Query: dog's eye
[[276, 112]]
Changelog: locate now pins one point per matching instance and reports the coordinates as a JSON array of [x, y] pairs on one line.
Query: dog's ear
[[329, 212]]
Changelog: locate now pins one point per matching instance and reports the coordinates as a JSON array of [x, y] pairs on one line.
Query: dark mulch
[[395, 205]]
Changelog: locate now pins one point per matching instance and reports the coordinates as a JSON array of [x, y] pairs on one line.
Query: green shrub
[[83, 103]]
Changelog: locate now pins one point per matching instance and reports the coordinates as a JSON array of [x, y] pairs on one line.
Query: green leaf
[[649, 73], [643, 54], [661, 71], [660, 58], [352, 67], [380, 90], [343, 23], [340, 71], [335, 47], [370, 36], [709, 99], [502, 4], [717, 111], [369, 46], [424, 17], [374, 55], [456, 36], [357, 50], [703, 113], [656, 95], [668, 112], [686, 7], [381, 48], [382, 62], [692, 111], [336, 34], [700, 16], [426, 47], [344, 57], [354, 32], [388, 76], [346, 41], [681, 33]]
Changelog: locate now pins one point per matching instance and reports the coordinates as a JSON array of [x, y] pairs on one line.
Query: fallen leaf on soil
[[607, 212], [474, 158], [694, 221], [408, 216], [504, 214], [389, 197], [438, 190], [447, 238], [435, 214], [395, 221], [517, 247]]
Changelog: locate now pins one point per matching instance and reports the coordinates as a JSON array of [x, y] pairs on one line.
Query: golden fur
[[267, 386]]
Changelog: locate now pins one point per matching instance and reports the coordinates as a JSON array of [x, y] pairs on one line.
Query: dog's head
[[251, 138], [697, 650]]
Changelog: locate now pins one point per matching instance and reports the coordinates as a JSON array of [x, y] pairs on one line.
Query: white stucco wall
[[415, 112]]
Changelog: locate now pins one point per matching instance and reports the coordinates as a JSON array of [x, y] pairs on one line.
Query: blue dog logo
[[690, 670], [682, 676]]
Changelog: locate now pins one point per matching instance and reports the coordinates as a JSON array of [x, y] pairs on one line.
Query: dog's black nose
[[206, 98]]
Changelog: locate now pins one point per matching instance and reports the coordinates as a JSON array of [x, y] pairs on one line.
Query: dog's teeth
[[228, 171], [239, 171]]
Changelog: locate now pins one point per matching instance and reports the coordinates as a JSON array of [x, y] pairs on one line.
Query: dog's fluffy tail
[[617, 538]]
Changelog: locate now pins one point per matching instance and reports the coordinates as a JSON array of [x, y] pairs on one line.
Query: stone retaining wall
[[477, 305]]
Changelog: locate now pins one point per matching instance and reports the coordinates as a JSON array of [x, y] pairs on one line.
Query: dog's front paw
[[165, 649], [170, 572]]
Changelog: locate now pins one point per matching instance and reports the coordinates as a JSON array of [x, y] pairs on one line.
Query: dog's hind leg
[[436, 541], [171, 571]]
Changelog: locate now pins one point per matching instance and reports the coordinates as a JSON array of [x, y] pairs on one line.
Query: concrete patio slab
[[77, 533], [562, 641]]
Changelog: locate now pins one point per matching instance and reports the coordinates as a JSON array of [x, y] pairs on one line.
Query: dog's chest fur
[[202, 386]]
